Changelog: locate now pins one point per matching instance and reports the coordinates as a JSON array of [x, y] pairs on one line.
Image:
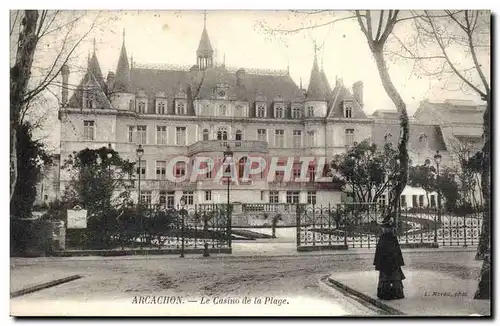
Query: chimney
[[110, 80], [357, 90], [64, 90], [240, 74]]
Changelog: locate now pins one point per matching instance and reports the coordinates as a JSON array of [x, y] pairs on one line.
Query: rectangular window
[[381, 200], [180, 108], [279, 112], [161, 135], [311, 139], [414, 202], [312, 174], [433, 201], [262, 135], [262, 195], [163, 198], [349, 137], [180, 169], [261, 111], [311, 197], [310, 111], [421, 200], [296, 171], [189, 196], [131, 134], [209, 168], [292, 197], [88, 129], [146, 197], [170, 199], [296, 112], [180, 136], [279, 140], [142, 134], [208, 195], [297, 139], [347, 111], [161, 170], [403, 201], [141, 169], [274, 197]]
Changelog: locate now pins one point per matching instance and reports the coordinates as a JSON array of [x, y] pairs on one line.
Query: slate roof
[[317, 89], [204, 48], [122, 76], [417, 141], [89, 83], [336, 105], [453, 111]]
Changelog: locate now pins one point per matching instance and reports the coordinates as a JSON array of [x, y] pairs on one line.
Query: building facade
[[198, 112]]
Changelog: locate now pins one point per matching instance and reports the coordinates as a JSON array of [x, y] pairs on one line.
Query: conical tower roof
[[95, 69], [317, 89], [122, 77], [205, 47]]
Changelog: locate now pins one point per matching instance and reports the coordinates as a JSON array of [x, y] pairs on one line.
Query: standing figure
[[388, 261]]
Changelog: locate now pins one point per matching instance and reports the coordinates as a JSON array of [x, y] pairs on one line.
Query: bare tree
[[439, 37], [42, 43]]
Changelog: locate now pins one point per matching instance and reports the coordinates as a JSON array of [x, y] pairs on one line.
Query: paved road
[[110, 285]]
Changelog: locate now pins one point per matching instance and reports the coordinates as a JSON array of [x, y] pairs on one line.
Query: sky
[[172, 37]]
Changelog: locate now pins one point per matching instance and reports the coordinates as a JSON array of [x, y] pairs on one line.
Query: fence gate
[[355, 225]]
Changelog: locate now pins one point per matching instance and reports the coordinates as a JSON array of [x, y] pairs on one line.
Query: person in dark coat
[[388, 261]]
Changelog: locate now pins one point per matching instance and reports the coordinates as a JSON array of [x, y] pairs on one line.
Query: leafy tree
[[366, 170], [98, 184], [30, 162], [423, 176]]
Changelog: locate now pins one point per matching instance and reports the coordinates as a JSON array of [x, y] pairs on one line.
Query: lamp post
[[183, 203], [139, 151], [228, 154], [437, 160]]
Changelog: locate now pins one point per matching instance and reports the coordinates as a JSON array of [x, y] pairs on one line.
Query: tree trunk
[[484, 291], [397, 187], [20, 74]]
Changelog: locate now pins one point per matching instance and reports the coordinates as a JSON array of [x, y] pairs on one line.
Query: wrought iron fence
[[355, 225], [157, 226]]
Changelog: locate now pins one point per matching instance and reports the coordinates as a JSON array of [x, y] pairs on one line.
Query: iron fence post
[[465, 232], [435, 226], [182, 235], [297, 217]]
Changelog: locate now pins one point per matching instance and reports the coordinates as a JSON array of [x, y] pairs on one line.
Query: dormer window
[[296, 112], [89, 102], [310, 111], [180, 108], [348, 110], [161, 107], [141, 106], [279, 111], [261, 110], [222, 110]]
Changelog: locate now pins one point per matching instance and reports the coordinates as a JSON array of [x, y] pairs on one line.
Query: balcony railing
[[221, 145], [311, 185]]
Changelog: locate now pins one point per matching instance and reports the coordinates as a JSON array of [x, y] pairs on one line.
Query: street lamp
[[228, 154], [437, 160], [183, 211], [139, 151]]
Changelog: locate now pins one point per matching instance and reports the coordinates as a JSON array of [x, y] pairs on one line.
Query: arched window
[[241, 166], [239, 135], [205, 134]]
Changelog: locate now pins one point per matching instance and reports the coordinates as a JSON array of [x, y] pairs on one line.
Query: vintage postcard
[[250, 163]]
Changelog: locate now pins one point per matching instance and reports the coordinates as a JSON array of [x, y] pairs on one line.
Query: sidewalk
[[427, 293], [24, 277]]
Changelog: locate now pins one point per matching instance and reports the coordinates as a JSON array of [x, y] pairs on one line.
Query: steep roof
[[433, 139], [325, 82], [122, 82], [205, 47], [317, 89], [90, 84], [336, 105], [94, 66]]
